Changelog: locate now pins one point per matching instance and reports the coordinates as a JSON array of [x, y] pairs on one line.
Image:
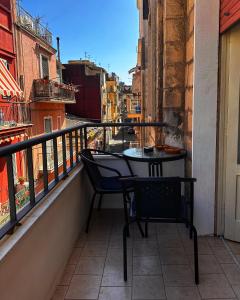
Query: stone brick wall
[[189, 82], [174, 69]]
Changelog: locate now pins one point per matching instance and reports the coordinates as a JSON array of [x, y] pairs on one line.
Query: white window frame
[[41, 69]]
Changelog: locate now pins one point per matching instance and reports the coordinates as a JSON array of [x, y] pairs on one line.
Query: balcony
[[13, 116], [51, 91], [55, 257], [33, 25]]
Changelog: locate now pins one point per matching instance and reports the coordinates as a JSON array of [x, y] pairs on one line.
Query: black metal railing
[[65, 146], [49, 90], [33, 25]]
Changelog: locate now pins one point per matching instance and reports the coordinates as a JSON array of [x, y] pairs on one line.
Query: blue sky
[[106, 29]]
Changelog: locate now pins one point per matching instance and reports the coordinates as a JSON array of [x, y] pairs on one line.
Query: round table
[[154, 158]]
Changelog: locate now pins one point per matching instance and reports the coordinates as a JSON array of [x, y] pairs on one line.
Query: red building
[[90, 82], [13, 111]]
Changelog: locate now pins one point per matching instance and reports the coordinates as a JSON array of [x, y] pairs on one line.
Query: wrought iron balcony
[[51, 91], [33, 25], [13, 115]]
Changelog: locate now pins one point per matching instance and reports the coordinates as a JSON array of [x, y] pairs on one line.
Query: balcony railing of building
[[65, 153], [48, 90], [33, 25], [13, 115]]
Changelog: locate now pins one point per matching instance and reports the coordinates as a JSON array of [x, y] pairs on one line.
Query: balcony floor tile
[[160, 267]]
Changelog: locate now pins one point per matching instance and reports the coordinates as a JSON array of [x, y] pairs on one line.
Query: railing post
[[64, 155], [76, 145], [30, 175], [85, 137], [104, 138], [11, 190], [71, 149], [81, 138], [55, 153], [45, 168]]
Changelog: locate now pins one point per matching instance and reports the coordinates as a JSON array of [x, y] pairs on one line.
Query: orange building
[[40, 77], [14, 116]]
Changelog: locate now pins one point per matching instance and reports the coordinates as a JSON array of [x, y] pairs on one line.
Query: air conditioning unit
[[27, 22]]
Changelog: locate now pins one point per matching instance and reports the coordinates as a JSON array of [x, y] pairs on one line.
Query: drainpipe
[[59, 58]]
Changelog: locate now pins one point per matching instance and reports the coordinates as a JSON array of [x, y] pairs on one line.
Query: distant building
[[90, 81]]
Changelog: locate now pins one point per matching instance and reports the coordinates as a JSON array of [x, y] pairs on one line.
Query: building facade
[[90, 81], [14, 112], [189, 64]]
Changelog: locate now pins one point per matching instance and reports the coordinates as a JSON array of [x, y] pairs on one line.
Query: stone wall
[[189, 82]]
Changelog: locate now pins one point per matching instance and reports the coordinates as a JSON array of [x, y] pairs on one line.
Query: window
[[5, 62], [44, 66], [59, 123]]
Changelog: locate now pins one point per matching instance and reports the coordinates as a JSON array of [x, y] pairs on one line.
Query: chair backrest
[[91, 167], [158, 198]]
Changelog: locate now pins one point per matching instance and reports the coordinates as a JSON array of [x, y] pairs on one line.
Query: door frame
[[222, 130], [222, 135]]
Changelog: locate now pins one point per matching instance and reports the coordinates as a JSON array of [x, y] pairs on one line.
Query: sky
[[105, 30]]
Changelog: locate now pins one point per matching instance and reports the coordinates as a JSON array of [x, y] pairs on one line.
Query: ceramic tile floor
[[160, 267]]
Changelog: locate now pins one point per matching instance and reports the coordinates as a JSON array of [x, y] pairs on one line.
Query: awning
[[8, 85]]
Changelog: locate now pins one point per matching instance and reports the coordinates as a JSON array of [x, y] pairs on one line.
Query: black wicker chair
[[106, 185], [160, 200]]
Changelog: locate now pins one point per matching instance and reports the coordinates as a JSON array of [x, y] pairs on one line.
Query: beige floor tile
[[203, 246], [167, 228], [169, 241], [173, 256], [60, 293], [208, 264], [95, 249], [222, 255], [178, 275], [67, 275], [145, 248], [116, 279], [90, 266], [114, 265], [115, 293], [146, 265], [182, 293], [232, 272], [75, 256], [236, 289], [215, 286], [84, 287], [234, 246], [148, 287], [215, 242], [117, 242]]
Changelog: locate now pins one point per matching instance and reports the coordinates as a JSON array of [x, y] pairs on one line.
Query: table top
[[138, 154]]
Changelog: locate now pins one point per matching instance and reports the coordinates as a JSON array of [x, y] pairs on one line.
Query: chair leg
[[195, 240], [90, 212], [140, 228], [146, 229], [125, 233], [126, 212], [100, 202]]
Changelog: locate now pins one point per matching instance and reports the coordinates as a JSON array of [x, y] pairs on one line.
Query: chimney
[[58, 49]]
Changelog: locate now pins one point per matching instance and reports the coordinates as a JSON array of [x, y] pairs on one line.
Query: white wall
[[206, 32], [33, 258]]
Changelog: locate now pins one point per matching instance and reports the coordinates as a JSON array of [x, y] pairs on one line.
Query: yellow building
[[112, 107]]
